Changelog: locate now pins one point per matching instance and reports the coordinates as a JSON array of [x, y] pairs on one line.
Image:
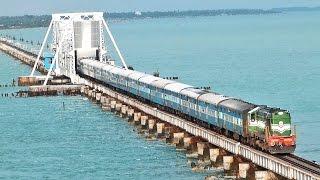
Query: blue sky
[[21, 7]]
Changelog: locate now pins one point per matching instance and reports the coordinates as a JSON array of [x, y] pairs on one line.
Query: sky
[[36, 7]]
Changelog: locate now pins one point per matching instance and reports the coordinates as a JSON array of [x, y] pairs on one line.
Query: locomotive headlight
[[273, 143]]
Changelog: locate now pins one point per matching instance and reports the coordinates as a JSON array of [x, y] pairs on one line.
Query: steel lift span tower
[[76, 36]]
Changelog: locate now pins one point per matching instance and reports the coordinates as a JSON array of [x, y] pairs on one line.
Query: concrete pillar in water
[[187, 142], [86, 91], [151, 125], [106, 107], [203, 150], [144, 122], [261, 175], [168, 132], [102, 99], [130, 114], [105, 103], [214, 153], [90, 93], [136, 118], [190, 144], [107, 100], [227, 161], [93, 94], [160, 129], [113, 105], [124, 110], [118, 107], [243, 169], [178, 139], [82, 89], [265, 175], [98, 97]]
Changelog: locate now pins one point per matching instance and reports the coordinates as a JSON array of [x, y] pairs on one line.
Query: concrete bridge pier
[[203, 151], [82, 89], [152, 126], [214, 154], [227, 163], [105, 103], [124, 109], [113, 105], [89, 93], [144, 122], [243, 170], [136, 118], [169, 131], [190, 143], [98, 97], [264, 175], [178, 139], [86, 90], [118, 108], [103, 98], [203, 156], [130, 114], [93, 95], [160, 130]]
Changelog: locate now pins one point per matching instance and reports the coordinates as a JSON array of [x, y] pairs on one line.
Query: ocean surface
[[264, 59]]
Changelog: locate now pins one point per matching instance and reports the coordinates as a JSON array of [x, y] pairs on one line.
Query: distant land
[[32, 21], [297, 9]]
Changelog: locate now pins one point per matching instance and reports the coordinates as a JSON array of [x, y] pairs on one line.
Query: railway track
[[300, 162]]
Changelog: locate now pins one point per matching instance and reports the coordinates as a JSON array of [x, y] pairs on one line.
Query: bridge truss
[[76, 36]]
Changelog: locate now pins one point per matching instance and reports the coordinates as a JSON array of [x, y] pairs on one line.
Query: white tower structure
[[76, 36]]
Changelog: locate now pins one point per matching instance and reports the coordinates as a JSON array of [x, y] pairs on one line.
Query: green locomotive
[[271, 130]]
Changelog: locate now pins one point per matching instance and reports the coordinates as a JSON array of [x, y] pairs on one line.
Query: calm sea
[[264, 59]]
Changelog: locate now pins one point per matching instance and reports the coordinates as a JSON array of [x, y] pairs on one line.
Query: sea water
[[263, 59]]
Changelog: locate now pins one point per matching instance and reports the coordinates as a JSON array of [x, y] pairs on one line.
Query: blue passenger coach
[[221, 111]]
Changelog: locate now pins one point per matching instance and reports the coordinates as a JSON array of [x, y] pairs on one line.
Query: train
[[268, 129]]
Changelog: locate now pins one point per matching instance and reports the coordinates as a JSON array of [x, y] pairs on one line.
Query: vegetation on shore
[[31, 21]]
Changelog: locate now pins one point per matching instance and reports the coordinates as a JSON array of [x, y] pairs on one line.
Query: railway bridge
[[77, 36]]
